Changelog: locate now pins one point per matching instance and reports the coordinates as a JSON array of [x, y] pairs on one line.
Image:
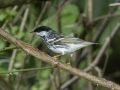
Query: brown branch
[[8, 3], [46, 58]]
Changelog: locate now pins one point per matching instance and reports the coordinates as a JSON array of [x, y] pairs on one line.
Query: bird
[[60, 43]]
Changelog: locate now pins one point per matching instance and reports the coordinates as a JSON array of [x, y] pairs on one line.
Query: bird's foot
[[68, 62], [56, 56]]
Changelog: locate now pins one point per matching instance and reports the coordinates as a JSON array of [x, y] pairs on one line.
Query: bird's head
[[42, 31]]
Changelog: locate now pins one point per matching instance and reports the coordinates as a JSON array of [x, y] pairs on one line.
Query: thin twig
[[41, 14], [98, 71], [58, 17], [105, 64], [8, 48], [24, 18], [69, 82], [25, 70], [90, 18], [18, 14], [54, 79], [105, 16], [19, 76], [114, 4], [12, 61]]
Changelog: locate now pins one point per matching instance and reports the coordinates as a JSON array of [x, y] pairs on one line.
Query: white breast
[[59, 50], [71, 48]]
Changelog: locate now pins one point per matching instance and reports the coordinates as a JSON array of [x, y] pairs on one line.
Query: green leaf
[[2, 16], [10, 12]]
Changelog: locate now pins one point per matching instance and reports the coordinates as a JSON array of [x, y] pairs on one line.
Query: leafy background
[[70, 17]]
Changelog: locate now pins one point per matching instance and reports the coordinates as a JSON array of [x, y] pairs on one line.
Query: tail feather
[[88, 43]]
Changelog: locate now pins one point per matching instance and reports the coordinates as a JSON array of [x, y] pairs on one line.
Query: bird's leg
[[56, 56], [68, 62], [69, 59]]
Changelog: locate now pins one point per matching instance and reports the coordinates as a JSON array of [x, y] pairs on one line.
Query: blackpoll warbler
[[60, 43]]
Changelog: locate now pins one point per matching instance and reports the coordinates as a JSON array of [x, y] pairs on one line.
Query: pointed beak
[[32, 32]]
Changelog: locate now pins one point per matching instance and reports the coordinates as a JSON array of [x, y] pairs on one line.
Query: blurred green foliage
[[69, 17]]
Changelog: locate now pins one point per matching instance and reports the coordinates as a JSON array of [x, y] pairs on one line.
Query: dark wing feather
[[71, 40], [64, 39], [56, 38]]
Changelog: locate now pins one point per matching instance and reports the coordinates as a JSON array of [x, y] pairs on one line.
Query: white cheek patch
[[43, 33]]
